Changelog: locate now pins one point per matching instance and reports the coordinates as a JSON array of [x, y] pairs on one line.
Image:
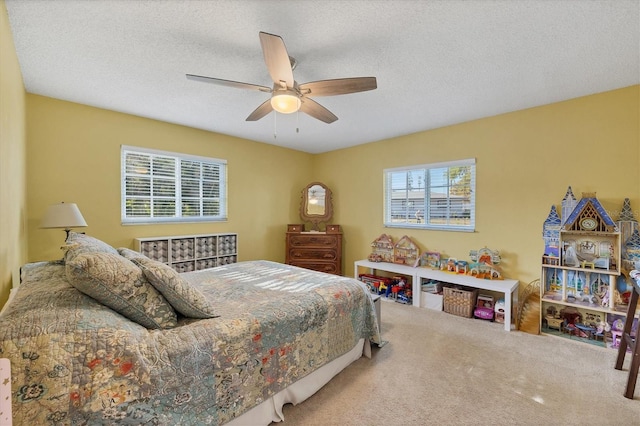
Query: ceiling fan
[[287, 95]]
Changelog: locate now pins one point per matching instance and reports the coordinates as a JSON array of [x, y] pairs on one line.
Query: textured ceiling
[[437, 63]]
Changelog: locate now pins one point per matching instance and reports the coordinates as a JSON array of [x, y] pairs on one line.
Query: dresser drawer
[[310, 240], [328, 255], [329, 268]]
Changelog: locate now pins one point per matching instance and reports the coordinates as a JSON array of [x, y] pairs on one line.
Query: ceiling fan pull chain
[[275, 125], [298, 121]]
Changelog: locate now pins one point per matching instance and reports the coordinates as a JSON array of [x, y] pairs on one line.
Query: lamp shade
[[63, 215]]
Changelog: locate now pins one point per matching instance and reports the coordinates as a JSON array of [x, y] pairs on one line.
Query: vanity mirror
[[316, 206], [315, 249]]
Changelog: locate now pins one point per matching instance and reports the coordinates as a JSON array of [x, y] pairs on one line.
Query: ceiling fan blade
[[315, 110], [264, 109], [228, 83], [276, 58], [339, 86]]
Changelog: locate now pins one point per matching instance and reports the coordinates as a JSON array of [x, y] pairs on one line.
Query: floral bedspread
[[75, 361]]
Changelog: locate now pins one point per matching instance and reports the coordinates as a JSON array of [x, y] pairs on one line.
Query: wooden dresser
[[320, 251]]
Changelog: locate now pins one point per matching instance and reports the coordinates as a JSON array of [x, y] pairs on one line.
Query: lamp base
[[67, 236]]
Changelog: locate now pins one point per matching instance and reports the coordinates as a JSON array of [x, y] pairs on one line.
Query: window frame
[[177, 196], [425, 202]]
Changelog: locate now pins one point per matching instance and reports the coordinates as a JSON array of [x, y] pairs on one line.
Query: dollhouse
[[484, 264], [430, 259], [382, 249], [582, 283], [406, 252]]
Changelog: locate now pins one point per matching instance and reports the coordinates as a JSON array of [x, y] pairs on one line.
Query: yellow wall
[[525, 162], [13, 233], [74, 156]]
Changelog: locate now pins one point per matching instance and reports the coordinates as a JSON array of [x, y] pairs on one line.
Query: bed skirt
[[271, 409]]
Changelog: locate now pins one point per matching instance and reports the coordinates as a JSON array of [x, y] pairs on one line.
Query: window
[[159, 186], [431, 196]]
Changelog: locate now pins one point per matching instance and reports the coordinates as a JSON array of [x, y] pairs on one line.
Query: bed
[[108, 336]]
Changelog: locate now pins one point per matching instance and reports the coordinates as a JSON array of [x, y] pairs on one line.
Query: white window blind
[[431, 196], [159, 186]]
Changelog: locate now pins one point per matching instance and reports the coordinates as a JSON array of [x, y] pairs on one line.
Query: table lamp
[[63, 215]]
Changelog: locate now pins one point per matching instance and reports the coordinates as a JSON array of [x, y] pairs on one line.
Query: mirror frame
[[316, 219]]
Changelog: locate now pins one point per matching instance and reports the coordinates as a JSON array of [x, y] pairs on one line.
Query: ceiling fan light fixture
[[285, 101]]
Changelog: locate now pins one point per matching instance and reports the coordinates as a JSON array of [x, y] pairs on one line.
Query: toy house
[[484, 264], [382, 249], [448, 265], [581, 268], [405, 252], [430, 259], [462, 267]]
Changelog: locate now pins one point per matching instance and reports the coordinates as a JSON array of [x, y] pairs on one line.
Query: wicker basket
[[459, 301]]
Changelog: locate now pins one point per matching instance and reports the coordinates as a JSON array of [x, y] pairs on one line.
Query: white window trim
[[176, 219], [445, 227]]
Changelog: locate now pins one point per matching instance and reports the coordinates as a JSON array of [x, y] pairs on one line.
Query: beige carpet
[[438, 369]]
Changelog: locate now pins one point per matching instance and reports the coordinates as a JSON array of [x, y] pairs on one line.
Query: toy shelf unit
[[187, 253], [507, 287]]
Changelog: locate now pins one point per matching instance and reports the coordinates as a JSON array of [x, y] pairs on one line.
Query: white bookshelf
[[186, 253]]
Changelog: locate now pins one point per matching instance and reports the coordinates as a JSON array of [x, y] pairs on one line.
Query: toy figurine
[[616, 332], [602, 329]]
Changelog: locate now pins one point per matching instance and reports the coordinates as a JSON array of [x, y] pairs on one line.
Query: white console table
[[507, 287]]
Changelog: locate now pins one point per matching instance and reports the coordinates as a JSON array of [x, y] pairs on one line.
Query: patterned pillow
[[184, 298], [78, 243], [131, 254], [119, 284]]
